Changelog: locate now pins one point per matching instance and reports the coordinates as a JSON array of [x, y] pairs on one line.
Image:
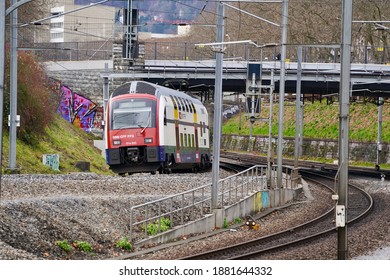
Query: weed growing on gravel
[[152, 228], [237, 221], [83, 246], [124, 244], [225, 223], [64, 245]]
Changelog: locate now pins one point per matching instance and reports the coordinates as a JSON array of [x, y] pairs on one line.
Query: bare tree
[[33, 10]]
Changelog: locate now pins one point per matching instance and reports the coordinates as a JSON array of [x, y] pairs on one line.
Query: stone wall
[[358, 151], [86, 82]]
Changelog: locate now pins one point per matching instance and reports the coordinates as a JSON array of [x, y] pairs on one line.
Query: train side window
[[185, 107], [201, 129], [202, 110], [193, 107], [205, 143], [193, 140], [178, 102], [181, 139], [189, 105], [182, 104], [165, 116], [174, 102], [204, 127], [185, 140]]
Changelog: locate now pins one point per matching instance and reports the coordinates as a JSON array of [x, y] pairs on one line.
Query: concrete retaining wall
[[254, 203], [358, 151]]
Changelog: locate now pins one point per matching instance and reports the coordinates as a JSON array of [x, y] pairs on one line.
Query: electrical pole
[[345, 81], [379, 144], [298, 118], [105, 98], [253, 101], [129, 22], [217, 107], [13, 89], [269, 152], [281, 96], [2, 78]]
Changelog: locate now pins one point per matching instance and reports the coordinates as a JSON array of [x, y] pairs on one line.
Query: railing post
[[155, 50], [131, 224], [193, 206], [365, 54], [146, 220], [201, 209], [159, 217], [182, 208], [171, 212], [185, 51]]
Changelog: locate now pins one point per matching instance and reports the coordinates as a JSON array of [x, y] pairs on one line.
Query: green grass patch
[[64, 245], [124, 244], [71, 143], [83, 246], [153, 228], [320, 121]]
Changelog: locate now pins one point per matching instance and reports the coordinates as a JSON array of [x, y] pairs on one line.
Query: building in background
[[78, 34], [92, 33], [94, 23]]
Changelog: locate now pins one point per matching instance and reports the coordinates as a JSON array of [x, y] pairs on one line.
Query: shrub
[[124, 244], [225, 223], [84, 246], [64, 245], [36, 105], [152, 228]]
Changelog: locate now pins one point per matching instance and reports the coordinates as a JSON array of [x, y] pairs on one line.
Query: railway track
[[311, 165], [359, 206]]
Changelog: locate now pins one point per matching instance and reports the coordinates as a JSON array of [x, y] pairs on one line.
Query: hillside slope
[[320, 121], [69, 142]]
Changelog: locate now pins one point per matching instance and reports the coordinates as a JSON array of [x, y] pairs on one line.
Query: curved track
[[331, 169], [360, 205]]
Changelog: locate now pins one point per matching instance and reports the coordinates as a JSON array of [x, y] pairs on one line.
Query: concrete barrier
[[250, 205]]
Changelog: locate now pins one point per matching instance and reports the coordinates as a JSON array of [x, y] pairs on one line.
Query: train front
[[132, 134]]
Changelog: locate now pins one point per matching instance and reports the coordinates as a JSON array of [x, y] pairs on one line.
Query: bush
[[124, 244], [36, 105], [64, 245], [83, 246], [152, 228]]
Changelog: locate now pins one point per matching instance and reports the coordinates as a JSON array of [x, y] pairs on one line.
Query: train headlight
[[117, 142], [148, 140]]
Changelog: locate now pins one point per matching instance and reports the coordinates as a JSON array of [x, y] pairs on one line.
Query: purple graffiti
[[77, 109]]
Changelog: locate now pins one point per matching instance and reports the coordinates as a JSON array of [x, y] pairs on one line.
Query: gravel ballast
[[39, 210]]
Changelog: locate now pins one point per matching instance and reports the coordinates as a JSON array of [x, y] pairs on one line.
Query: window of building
[[56, 25]]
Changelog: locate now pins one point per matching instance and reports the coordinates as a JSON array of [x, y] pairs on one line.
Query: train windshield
[[133, 113]]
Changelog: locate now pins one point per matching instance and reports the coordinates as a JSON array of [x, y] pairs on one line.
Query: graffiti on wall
[[79, 110]]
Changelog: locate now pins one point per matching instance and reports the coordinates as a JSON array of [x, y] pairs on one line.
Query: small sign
[[52, 161], [17, 120]]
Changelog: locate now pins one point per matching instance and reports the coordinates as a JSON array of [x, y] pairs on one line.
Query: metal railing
[[194, 204], [71, 51], [364, 54]]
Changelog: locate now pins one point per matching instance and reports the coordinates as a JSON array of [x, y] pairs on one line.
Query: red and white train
[[153, 128]]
